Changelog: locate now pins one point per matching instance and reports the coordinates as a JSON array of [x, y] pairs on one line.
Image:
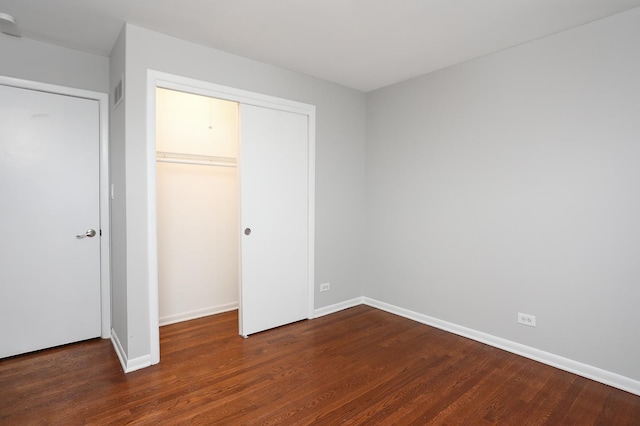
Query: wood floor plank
[[358, 366]]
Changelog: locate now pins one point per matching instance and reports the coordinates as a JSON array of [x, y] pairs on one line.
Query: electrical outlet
[[526, 319], [325, 287]]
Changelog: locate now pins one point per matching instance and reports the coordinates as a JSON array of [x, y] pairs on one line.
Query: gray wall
[[506, 184], [510, 184], [119, 304], [36, 61], [340, 170]]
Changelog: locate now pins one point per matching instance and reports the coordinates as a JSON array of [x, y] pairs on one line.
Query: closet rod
[[194, 159], [194, 162]]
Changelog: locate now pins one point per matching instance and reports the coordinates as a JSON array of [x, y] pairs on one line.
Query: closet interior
[[197, 205]]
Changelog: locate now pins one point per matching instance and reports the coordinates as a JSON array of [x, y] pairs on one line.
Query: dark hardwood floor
[[358, 366]]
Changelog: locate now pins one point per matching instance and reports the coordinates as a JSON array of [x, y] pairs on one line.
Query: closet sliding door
[[274, 205]]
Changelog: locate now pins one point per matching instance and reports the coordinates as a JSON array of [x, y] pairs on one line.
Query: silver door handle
[[90, 233]]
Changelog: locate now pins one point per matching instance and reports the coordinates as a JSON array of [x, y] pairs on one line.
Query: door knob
[[90, 233], [247, 231]]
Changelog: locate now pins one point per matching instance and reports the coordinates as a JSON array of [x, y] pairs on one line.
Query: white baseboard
[[199, 313], [320, 312], [128, 365], [590, 372]]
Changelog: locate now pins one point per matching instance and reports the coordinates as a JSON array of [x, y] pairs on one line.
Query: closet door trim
[[164, 80]]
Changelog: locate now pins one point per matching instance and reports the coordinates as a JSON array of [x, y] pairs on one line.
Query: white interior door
[[49, 187], [274, 196]]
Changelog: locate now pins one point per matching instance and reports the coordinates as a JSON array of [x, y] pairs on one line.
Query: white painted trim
[[117, 347], [152, 223], [138, 363], [205, 88], [198, 313], [590, 372], [311, 141], [332, 309], [105, 241], [128, 365], [105, 217], [200, 87]]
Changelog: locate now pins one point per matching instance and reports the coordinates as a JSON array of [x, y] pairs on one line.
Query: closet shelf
[[201, 160]]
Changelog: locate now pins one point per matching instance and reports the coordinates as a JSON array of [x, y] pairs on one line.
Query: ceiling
[[363, 44]]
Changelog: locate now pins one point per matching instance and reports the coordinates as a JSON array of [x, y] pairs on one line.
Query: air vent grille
[[118, 93]]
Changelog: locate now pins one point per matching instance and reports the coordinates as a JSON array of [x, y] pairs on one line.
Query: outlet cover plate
[[325, 287], [527, 319]]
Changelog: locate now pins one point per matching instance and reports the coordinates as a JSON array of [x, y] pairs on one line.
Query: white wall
[[510, 184], [340, 148], [197, 207]]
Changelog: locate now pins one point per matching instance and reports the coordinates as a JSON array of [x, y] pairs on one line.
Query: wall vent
[[118, 93]]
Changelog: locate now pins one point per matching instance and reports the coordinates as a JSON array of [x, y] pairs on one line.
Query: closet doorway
[[276, 204], [197, 205]]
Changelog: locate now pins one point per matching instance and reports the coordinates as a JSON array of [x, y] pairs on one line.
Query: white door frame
[[164, 80], [105, 240]]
